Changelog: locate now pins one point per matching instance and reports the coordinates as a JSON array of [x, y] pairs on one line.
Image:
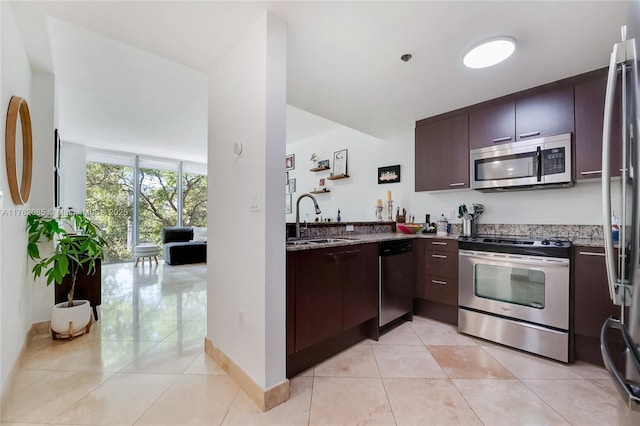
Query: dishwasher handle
[[393, 248]]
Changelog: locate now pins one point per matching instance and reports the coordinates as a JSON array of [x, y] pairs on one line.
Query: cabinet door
[[589, 100], [441, 264], [592, 302], [291, 302], [546, 114], [442, 244], [360, 268], [441, 289], [319, 300], [442, 154], [491, 125]]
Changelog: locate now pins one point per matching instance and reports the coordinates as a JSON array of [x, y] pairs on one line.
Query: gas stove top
[[516, 245]]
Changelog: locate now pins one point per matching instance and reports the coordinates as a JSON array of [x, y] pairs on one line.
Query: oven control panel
[[500, 244]]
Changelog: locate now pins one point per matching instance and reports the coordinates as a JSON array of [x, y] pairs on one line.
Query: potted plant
[[78, 244]]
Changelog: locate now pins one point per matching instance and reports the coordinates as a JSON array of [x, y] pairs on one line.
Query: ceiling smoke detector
[[406, 57], [489, 52]]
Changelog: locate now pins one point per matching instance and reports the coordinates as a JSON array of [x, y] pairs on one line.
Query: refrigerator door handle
[[631, 126], [628, 391], [606, 174]]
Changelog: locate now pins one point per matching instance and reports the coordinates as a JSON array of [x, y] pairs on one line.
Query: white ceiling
[[131, 74]]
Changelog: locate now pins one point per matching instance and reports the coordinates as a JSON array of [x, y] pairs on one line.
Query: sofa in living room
[[183, 245]]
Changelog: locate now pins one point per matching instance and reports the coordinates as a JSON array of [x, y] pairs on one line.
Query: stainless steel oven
[[516, 292]]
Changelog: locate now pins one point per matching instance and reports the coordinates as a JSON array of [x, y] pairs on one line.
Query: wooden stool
[[146, 250]]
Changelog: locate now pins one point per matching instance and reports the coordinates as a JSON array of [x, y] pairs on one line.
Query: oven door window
[[520, 286], [524, 165]]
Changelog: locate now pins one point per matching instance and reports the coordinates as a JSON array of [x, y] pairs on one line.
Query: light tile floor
[[143, 364]]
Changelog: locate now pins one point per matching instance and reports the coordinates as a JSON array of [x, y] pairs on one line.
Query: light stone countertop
[[364, 239], [390, 236]]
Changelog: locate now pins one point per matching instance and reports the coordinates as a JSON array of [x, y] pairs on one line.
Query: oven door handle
[[510, 258]]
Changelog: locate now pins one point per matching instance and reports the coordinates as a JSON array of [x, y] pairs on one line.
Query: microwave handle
[[539, 162]]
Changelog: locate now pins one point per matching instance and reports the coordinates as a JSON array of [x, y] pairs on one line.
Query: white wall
[[246, 258], [15, 309], [356, 196], [42, 112], [73, 172]]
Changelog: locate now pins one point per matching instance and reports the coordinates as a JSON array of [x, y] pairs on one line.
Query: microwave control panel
[[553, 161]]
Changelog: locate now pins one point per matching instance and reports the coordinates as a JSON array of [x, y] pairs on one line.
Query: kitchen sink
[[320, 241]]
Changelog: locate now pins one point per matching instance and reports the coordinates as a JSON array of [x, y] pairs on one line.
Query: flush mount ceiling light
[[489, 52]]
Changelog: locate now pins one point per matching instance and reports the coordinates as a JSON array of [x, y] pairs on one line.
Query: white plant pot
[[78, 315]]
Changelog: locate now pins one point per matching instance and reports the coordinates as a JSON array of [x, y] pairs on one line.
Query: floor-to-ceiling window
[[158, 199], [194, 195], [110, 192], [134, 197]]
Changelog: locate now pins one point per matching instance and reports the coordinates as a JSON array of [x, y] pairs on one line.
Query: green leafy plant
[[74, 250]]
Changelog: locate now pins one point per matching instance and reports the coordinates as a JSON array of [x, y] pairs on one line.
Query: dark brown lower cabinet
[[592, 304], [88, 287], [336, 289], [437, 293]]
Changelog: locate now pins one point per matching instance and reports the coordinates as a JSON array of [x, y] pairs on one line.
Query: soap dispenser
[[338, 218]]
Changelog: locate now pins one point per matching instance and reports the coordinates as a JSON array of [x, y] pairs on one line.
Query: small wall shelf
[[319, 192], [337, 177], [319, 169]]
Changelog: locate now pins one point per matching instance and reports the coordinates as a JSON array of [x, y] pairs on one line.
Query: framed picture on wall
[[389, 174], [56, 169], [292, 186], [340, 163], [290, 162], [287, 203]]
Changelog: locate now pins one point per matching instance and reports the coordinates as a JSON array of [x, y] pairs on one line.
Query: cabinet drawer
[[441, 289], [441, 263], [441, 244]]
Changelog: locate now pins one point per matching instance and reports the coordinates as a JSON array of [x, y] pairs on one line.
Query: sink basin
[[319, 241], [329, 240]]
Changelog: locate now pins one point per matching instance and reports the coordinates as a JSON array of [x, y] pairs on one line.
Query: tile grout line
[[155, 400], [544, 400], [313, 383], [393, 415], [233, 401]]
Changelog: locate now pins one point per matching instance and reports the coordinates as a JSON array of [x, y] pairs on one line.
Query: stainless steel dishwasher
[[397, 278]]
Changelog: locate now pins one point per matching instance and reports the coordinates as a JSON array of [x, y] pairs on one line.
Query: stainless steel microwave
[[536, 163]]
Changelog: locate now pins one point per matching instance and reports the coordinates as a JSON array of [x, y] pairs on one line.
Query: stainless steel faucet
[[315, 204]]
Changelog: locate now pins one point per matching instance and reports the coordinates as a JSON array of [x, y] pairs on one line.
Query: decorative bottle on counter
[[442, 227]]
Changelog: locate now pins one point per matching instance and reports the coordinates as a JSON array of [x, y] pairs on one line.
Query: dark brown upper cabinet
[[442, 154], [493, 124], [589, 100], [545, 114], [523, 117]]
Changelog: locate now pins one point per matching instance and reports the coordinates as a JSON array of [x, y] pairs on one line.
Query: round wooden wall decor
[[18, 108]]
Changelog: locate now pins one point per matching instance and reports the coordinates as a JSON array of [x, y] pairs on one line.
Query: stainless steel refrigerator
[[623, 262]]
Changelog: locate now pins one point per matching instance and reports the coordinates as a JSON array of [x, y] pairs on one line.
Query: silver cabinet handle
[[439, 256], [439, 282], [438, 243], [591, 253], [592, 172], [528, 135], [504, 139], [457, 184]]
